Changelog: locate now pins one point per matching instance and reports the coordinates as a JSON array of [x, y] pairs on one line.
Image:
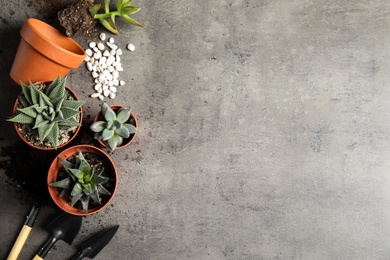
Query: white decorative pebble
[[101, 46], [105, 65], [130, 47], [89, 66], [98, 86], [113, 89], [88, 52], [115, 74]]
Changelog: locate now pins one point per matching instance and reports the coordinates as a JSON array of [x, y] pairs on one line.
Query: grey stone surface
[[264, 132]]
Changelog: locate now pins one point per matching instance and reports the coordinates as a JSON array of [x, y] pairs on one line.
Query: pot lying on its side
[[43, 53]]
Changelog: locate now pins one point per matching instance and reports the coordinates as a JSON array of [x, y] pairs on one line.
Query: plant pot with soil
[[47, 115], [115, 126], [82, 180], [43, 53]]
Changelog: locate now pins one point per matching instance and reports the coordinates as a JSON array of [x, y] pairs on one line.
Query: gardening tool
[[95, 244], [24, 232], [65, 227]]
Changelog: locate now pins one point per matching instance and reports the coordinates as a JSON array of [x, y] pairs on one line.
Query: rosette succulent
[[107, 18], [47, 109], [114, 127], [84, 182]]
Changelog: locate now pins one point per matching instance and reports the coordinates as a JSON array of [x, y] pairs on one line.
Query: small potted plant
[[115, 126], [47, 115], [82, 180]]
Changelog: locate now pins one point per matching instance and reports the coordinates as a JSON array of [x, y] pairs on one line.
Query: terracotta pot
[[43, 53], [127, 141], [56, 166], [51, 148]]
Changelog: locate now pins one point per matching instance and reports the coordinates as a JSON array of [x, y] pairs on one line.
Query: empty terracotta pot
[[43, 53]]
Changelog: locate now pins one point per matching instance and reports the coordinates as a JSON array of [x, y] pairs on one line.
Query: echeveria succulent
[[115, 126]]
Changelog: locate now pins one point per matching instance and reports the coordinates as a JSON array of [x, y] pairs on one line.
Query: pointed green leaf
[[119, 5], [129, 10], [108, 26], [94, 9], [73, 104], [132, 21], [22, 119], [69, 122], [84, 203], [53, 136], [56, 89], [39, 121], [26, 93], [23, 101], [44, 130], [68, 113], [76, 197], [77, 173], [109, 114], [29, 111], [102, 190], [66, 164], [66, 183]]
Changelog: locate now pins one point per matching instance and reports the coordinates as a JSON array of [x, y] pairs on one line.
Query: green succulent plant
[[47, 109], [84, 182], [115, 127], [107, 18]]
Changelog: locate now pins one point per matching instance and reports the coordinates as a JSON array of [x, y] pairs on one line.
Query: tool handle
[[19, 243], [46, 248], [77, 256]]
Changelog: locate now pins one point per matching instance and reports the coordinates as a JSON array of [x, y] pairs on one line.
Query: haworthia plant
[[83, 183], [47, 109]]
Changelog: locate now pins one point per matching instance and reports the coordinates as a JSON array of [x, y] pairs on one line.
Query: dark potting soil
[[27, 168], [77, 20]]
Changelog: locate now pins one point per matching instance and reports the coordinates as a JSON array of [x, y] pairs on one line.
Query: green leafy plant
[[84, 182], [107, 18], [47, 109], [115, 127]]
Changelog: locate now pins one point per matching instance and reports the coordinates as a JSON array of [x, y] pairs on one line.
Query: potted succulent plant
[[82, 180], [43, 53], [115, 126], [47, 115]]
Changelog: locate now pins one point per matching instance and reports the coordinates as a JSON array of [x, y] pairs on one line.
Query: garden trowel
[[65, 227], [95, 244]]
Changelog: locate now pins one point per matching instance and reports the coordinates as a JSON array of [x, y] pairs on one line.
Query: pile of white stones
[[105, 65]]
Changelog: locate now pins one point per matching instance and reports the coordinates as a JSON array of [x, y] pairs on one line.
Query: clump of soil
[[77, 20]]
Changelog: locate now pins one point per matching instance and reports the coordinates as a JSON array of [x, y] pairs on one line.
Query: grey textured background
[[264, 132]]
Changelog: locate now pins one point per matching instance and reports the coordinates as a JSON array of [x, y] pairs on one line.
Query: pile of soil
[[77, 20]]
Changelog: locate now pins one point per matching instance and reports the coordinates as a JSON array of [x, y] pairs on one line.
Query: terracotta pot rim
[[128, 140], [49, 148], [35, 32], [53, 169]]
